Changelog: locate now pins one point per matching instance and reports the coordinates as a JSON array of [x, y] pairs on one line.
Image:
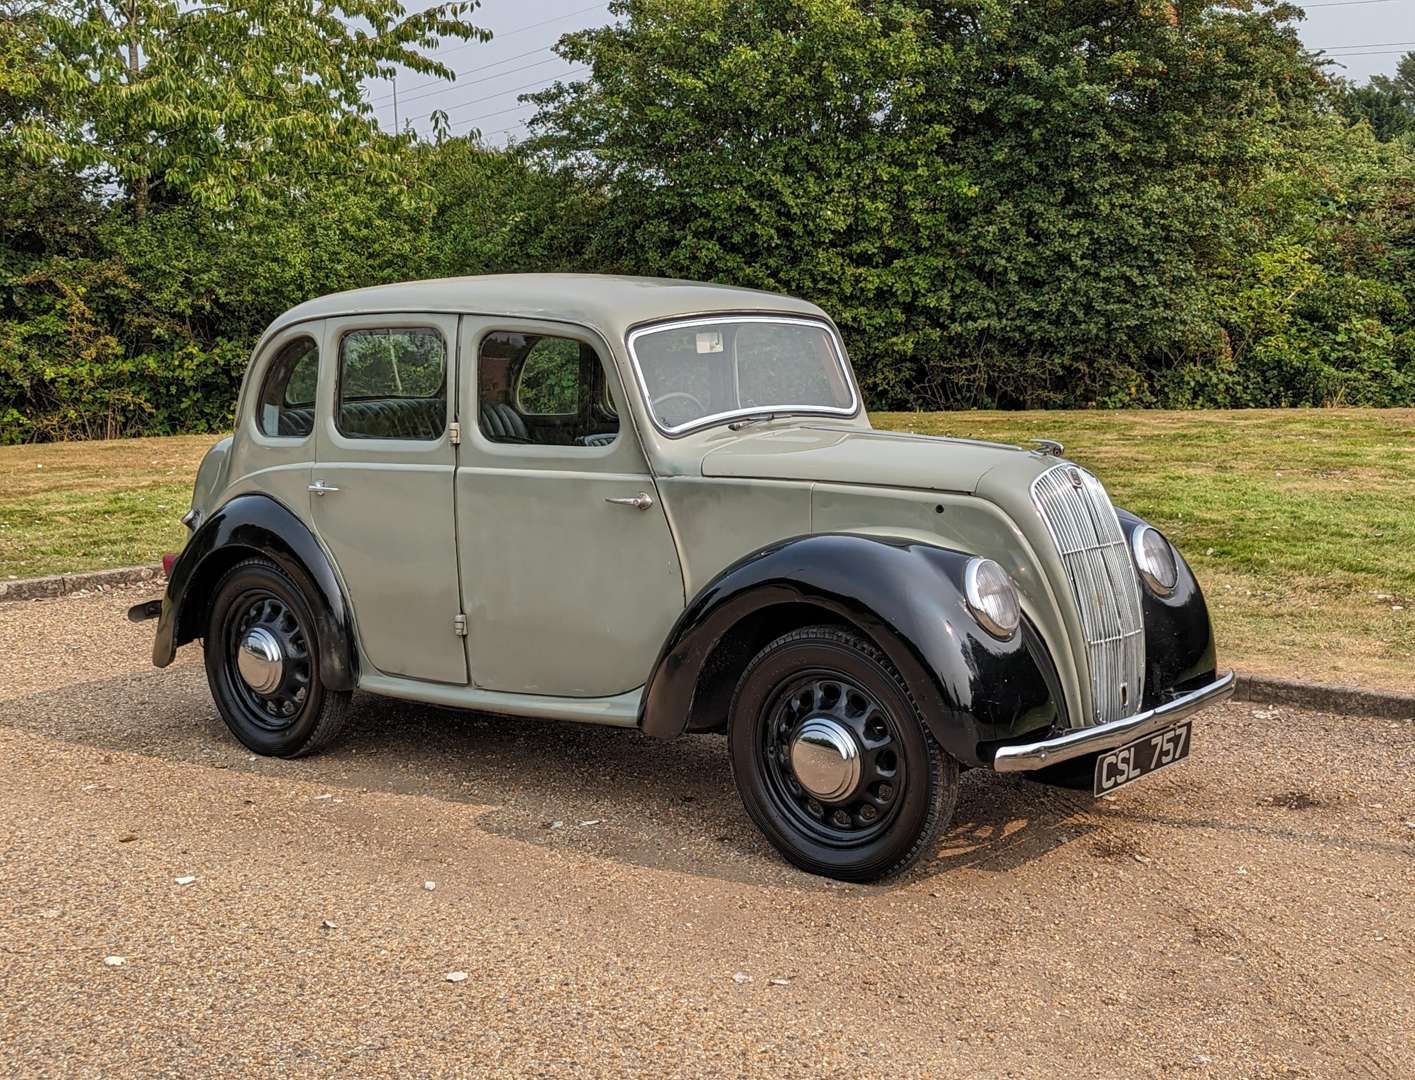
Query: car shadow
[[590, 791]]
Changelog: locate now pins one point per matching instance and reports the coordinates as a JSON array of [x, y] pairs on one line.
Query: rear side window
[[287, 397], [392, 385]]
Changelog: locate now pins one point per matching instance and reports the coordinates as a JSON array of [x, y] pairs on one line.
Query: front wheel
[[833, 759], [262, 663]]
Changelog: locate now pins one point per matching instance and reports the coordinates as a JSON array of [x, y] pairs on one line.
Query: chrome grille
[[1082, 521]]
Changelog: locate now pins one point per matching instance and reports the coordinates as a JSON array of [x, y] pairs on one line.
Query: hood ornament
[[1047, 446]]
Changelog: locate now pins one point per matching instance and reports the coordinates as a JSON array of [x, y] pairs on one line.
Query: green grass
[[1300, 524], [85, 506]]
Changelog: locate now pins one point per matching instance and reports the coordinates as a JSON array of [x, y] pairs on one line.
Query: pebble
[[115, 961], [185, 879], [456, 976]]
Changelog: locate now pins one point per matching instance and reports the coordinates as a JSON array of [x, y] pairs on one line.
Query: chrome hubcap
[[260, 661], [826, 759]]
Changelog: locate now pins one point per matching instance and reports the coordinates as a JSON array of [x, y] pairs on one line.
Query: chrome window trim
[[675, 430]]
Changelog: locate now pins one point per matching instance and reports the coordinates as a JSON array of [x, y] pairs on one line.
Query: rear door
[[382, 488]]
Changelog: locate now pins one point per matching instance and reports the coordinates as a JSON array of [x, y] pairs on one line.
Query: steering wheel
[[671, 395]]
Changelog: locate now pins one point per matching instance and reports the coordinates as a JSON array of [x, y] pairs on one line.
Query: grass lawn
[[1300, 524], [94, 505]]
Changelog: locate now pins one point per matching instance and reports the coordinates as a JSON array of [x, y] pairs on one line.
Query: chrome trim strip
[[1089, 740], [673, 431]]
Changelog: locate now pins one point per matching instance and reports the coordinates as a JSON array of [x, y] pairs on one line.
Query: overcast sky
[[1367, 36]]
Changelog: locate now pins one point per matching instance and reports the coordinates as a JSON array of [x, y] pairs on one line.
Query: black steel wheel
[[832, 757], [262, 663]]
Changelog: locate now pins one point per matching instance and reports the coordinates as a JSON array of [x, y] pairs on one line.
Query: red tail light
[[168, 561]]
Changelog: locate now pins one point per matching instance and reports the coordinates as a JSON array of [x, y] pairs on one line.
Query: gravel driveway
[[1247, 914]]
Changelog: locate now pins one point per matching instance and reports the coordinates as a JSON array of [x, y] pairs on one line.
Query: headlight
[[991, 598], [1154, 558]]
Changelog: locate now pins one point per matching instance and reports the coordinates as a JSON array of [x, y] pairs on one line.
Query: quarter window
[[544, 390], [287, 396], [392, 384]]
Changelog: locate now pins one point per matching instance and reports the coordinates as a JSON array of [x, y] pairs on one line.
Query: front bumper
[[1083, 741]]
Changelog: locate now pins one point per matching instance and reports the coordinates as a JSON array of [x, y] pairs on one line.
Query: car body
[[661, 504]]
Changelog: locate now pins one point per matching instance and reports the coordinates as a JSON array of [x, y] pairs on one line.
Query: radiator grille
[[1082, 521]]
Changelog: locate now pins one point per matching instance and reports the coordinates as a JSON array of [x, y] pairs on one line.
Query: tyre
[[262, 663], [833, 759]]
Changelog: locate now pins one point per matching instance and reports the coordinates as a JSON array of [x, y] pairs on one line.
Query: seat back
[[501, 422]]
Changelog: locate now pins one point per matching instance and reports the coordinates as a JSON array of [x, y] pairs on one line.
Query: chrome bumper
[[1082, 741]]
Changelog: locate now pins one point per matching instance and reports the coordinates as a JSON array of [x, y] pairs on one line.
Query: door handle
[[642, 501], [319, 487]]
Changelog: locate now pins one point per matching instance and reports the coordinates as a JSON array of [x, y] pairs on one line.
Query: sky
[[1367, 37]]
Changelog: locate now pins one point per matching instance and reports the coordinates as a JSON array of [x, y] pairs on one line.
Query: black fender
[[1179, 635], [257, 525], [905, 595]]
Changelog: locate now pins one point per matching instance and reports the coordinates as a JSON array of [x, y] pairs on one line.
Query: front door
[[381, 488], [570, 576]]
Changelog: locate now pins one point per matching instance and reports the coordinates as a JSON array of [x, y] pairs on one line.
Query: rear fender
[[257, 525]]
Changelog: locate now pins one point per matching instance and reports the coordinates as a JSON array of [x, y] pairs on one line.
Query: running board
[[622, 710]]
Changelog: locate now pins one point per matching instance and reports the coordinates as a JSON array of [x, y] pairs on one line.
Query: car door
[[570, 576], [382, 488]]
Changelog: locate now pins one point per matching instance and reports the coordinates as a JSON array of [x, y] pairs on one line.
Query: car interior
[[542, 390]]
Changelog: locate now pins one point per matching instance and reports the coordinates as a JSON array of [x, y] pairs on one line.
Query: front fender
[[907, 597], [1179, 636], [257, 525]]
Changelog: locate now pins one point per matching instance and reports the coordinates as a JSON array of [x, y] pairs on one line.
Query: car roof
[[606, 302]]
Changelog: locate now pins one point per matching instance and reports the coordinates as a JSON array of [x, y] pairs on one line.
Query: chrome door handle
[[319, 487], [642, 501]]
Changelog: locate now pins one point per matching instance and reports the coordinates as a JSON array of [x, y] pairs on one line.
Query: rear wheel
[[262, 663], [833, 759]]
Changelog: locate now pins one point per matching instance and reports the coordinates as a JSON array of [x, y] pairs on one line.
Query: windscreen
[[695, 372]]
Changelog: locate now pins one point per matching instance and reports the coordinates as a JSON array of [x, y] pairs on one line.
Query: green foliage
[[549, 382], [1016, 204], [391, 364], [1386, 103], [222, 103], [1022, 204]]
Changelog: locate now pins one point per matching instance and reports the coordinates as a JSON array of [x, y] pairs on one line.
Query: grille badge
[[1074, 475]]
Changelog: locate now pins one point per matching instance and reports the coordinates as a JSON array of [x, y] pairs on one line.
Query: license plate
[[1126, 764]]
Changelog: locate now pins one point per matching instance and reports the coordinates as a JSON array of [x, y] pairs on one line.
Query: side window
[[538, 389], [549, 383], [287, 397], [392, 384]]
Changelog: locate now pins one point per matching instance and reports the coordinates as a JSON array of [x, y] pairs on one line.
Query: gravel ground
[[1247, 914]]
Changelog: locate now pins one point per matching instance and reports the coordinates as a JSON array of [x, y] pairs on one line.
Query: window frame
[[277, 349], [336, 405], [675, 431]]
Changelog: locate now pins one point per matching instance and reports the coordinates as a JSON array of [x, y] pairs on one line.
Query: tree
[[1385, 102], [769, 143], [222, 102], [1002, 203]]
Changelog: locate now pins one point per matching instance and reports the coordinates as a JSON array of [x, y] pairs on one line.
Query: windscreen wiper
[[759, 418]]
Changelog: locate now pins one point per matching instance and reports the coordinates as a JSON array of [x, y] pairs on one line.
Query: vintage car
[[660, 505]]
